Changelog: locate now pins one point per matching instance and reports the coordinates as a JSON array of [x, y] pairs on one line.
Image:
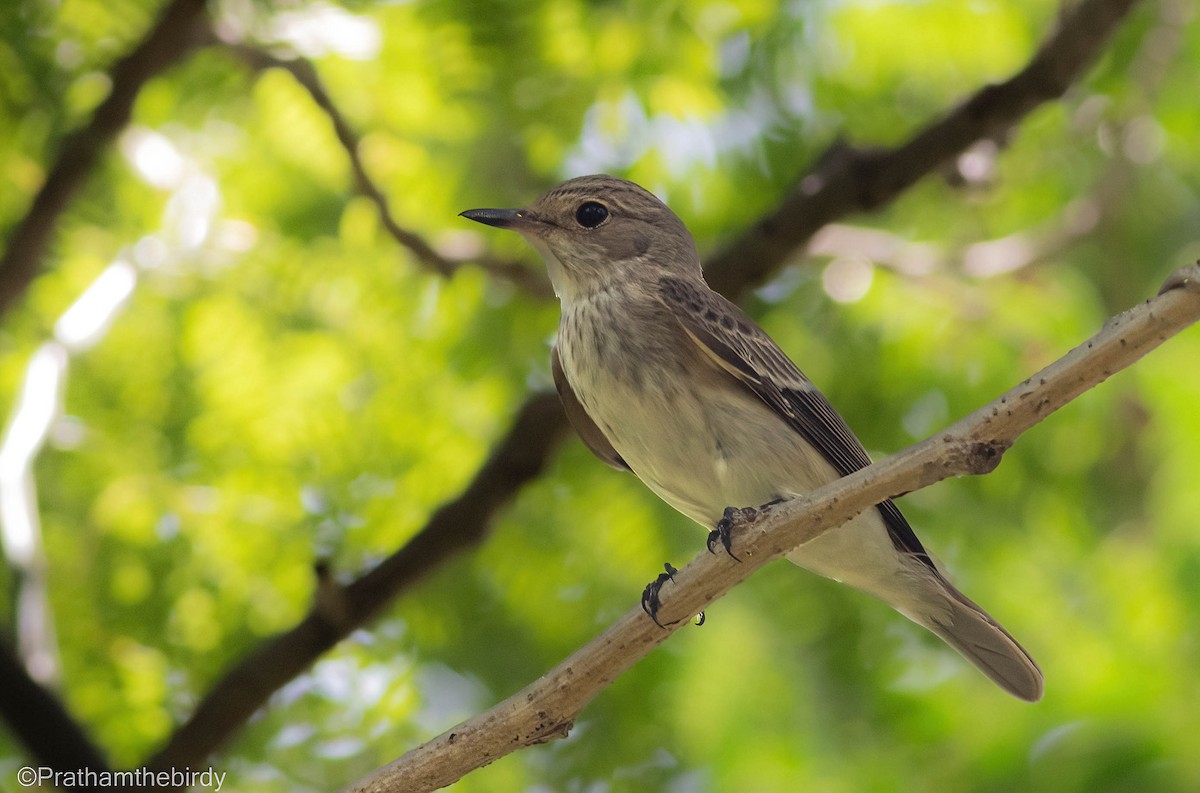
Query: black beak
[[502, 218]]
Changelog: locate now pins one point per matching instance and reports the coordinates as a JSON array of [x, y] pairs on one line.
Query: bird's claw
[[734, 518], [723, 533], [650, 602]]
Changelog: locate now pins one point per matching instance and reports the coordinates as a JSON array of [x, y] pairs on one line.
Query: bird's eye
[[591, 214]]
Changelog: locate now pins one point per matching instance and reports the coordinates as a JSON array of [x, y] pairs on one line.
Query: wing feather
[[736, 344], [592, 436]]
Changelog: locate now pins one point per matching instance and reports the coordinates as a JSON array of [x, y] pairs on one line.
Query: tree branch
[[179, 29], [547, 708], [33, 712], [847, 179], [339, 610], [39, 719], [304, 73]]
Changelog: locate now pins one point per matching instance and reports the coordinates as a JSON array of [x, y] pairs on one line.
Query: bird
[[664, 377]]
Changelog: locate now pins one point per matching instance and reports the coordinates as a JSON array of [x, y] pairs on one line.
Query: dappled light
[[251, 352]]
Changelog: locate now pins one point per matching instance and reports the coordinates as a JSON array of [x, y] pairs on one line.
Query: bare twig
[[302, 70], [547, 708], [847, 179], [180, 28]]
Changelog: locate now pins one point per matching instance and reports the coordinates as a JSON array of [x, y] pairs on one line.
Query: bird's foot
[[734, 518], [650, 602], [723, 533]]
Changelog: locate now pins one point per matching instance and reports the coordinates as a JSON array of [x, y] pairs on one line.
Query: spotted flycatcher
[[664, 377]]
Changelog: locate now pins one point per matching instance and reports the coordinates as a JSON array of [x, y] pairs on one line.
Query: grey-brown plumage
[[662, 376]]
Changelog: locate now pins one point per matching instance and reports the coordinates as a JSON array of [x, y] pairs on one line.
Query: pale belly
[[701, 456], [703, 442], [735, 451]]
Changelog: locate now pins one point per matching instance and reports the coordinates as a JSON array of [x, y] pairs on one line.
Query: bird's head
[[595, 230]]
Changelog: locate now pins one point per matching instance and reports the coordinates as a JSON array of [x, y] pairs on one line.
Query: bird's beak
[[515, 219]]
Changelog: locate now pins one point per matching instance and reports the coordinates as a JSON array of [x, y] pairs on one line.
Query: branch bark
[[180, 28], [547, 708], [846, 179]]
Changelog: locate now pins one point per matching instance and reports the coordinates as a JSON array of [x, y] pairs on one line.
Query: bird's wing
[[736, 344], [592, 436]]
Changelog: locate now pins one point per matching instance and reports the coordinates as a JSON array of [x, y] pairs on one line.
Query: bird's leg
[[650, 601], [734, 518]]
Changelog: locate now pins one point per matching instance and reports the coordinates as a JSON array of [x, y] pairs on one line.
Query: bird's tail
[[963, 625], [861, 555]]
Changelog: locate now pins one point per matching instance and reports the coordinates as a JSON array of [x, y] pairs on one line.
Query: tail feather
[[981, 640], [862, 555]]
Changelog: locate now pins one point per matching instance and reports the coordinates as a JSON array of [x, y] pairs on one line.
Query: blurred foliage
[[287, 384]]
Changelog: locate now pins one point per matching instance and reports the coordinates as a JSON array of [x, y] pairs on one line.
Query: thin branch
[[339, 610], [304, 73], [180, 28], [547, 708], [848, 179]]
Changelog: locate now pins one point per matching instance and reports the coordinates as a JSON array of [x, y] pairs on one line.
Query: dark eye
[[591, 214]]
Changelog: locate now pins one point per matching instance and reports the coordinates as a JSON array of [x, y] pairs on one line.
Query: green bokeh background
[[296, 386]]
